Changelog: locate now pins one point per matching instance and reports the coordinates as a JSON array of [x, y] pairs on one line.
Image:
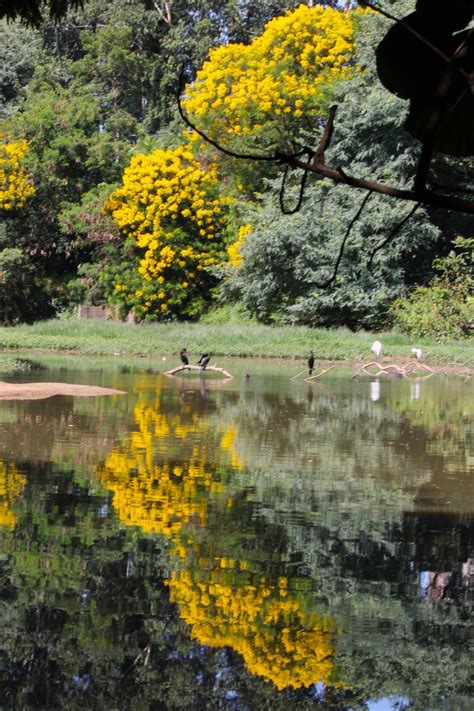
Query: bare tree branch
[[332, 278], [440, 108], [392, 234], [325, 141]]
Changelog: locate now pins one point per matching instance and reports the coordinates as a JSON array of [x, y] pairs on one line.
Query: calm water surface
[[253, 544]]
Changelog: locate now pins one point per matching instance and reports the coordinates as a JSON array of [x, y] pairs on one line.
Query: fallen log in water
[[318, 375], [408, 369], [212, 368]]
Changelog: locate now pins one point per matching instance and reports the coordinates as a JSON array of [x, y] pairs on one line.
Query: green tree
[[287, 260]]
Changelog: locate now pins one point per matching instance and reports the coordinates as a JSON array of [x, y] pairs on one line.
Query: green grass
[[234, 337]]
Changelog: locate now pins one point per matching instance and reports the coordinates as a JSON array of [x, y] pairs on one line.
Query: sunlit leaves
[[169, 206], [277, 84]]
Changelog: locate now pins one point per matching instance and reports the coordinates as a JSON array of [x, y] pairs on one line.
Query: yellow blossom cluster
[[162, 496], [15, 186], [169, 205], [265, 623], [285, 74], [234, 250], [11, 485]]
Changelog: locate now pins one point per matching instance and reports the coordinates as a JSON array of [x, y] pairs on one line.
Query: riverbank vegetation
[[107, 199], [225, 334]]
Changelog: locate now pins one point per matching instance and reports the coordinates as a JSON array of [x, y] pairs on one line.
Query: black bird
[[183, 354], [204, 360], [311, 363]]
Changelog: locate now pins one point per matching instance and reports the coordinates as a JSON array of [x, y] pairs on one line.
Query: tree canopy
[[91, 98]]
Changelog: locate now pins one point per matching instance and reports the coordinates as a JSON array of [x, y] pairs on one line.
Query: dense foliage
[[89, 104], [170, 208], [444, 308], [269, 90]]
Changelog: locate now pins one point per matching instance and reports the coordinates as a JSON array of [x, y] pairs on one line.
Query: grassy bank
[[229, 339]]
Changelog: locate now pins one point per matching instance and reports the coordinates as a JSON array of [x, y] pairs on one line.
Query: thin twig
[[299, 202], [327, 283], [392, 234]]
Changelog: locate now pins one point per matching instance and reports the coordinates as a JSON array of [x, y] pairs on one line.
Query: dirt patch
[[40, 391]]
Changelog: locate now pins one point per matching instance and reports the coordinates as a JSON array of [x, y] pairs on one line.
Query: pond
[[250, 544]]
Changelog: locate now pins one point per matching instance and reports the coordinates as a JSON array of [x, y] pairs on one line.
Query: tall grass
[[232, 338]]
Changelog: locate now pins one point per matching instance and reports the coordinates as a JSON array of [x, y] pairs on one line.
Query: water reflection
[[261, 542]]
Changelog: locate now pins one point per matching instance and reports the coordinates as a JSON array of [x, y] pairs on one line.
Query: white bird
[[376, 348], [418, 353]]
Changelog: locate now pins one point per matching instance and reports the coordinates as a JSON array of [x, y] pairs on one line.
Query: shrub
[[444, 309]]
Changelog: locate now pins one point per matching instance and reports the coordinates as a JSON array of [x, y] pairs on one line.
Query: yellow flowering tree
[[169, 207], [15, 186], [276, 86]]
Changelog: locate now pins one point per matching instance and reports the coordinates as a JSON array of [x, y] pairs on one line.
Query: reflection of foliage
[[266, 561], [11, 485], [160, 496], [159, 499], [277, 639], [443, 417]]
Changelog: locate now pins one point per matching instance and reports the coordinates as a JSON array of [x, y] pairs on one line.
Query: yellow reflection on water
[[162, 478], [265, 623], [11, 486]]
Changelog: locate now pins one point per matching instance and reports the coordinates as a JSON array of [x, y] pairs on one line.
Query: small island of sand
[[39, 391]]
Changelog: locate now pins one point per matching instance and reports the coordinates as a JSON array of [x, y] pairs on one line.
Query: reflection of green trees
[[445, 415], [335, 519], [326, 553]]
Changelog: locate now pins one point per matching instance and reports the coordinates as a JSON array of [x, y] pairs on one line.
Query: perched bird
[[183, 354], [311, 363], [204, 360], [418, 353], [376, 348]]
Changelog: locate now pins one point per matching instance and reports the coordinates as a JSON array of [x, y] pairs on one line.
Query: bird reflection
[[375, 390]]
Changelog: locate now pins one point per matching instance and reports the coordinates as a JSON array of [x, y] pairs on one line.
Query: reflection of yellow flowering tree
[[162, 496], [279, 82], [15, 187], [265, 623], [11, 485], [277, 639], [169, 206]]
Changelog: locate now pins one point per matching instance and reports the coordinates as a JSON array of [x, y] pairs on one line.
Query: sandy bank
[[39, 391]]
